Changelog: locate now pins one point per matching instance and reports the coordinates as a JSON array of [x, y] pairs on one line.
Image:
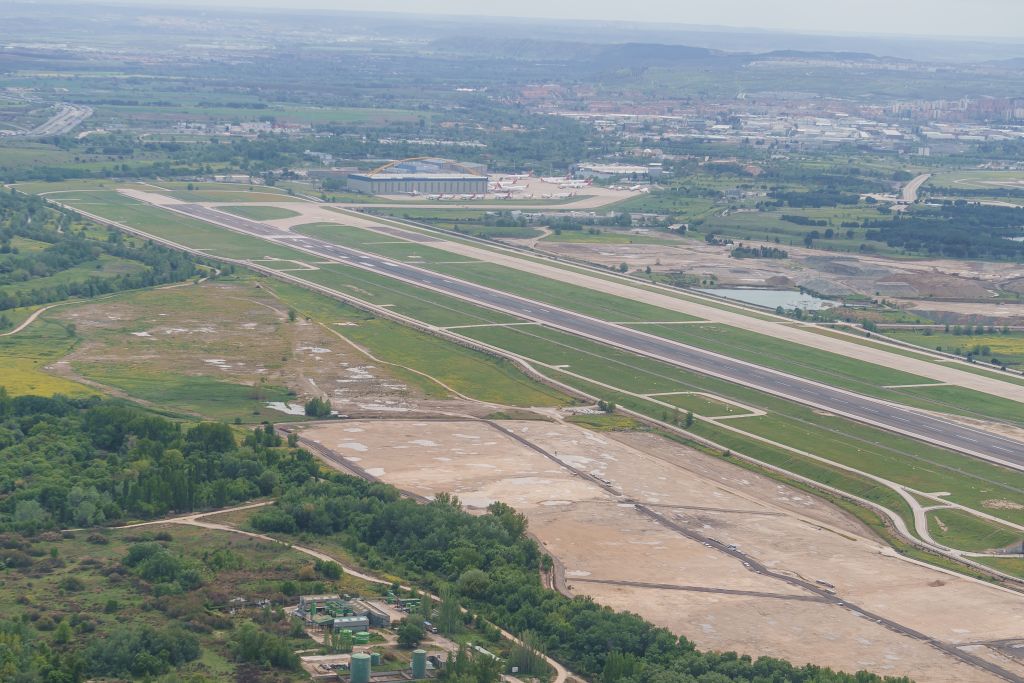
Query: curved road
[[909, 193], [937, 430]]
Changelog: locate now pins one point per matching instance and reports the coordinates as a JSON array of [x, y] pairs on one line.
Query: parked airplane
[[498, 187], [576, 184], [556, 180]]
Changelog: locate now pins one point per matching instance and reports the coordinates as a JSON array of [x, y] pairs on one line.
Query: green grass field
[[1014, 566], [238, 193], [432, 308], [701, 405], [966, 532], [187, 393], [1007, 348], [974, 180], [26, 354]]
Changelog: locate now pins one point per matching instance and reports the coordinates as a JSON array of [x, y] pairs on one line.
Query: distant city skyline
[[937, 18]]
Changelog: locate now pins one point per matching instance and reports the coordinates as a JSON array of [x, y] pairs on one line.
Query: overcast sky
[[1003, 18]]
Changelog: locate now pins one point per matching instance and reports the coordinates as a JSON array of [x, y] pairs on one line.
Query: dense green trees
[[955, 229], [141, 651], [318, 407], [814, 198], [758, 252], [250, 643], [74, 463]]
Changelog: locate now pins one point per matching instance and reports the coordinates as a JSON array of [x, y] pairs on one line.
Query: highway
[[67, 117], [897, 418]]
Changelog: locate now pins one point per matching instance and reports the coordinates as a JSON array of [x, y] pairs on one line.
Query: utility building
[[422, 175]]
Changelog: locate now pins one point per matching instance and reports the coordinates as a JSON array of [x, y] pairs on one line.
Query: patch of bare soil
[[1000, 504]]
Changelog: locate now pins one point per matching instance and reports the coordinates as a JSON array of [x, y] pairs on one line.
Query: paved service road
[[909, 193], [893, 417]]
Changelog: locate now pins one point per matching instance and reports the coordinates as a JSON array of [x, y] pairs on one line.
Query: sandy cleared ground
[[703, 594], [835, 274]]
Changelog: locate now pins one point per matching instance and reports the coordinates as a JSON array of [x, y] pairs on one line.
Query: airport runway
[[975, 442]]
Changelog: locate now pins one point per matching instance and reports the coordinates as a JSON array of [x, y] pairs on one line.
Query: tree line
[[29, 217]]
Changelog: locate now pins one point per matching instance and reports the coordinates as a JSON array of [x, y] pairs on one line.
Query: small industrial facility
[[341, 612], [422, 175], [345, 622]]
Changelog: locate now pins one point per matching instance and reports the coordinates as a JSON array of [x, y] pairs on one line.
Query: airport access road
[[918, 424], [909, 192]]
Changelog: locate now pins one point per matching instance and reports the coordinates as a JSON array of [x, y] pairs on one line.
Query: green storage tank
[[346, 632], [362, 637], [419, 664], [360, 668], [375, 658]]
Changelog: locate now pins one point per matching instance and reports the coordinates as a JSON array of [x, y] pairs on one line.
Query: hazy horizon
[[962, 19]]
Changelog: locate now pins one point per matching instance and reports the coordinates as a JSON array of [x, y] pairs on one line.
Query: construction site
[[734, 560]]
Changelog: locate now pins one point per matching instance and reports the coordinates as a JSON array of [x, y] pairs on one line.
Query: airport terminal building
[[422, 176]]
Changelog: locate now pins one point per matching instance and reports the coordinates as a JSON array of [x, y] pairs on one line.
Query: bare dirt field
[[232, 332], [831, 274], [712, 598]]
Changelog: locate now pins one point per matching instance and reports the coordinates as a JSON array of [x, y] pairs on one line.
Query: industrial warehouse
[[422, 175]]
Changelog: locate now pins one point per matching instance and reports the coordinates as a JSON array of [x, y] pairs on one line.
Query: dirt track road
[[561, 673]]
